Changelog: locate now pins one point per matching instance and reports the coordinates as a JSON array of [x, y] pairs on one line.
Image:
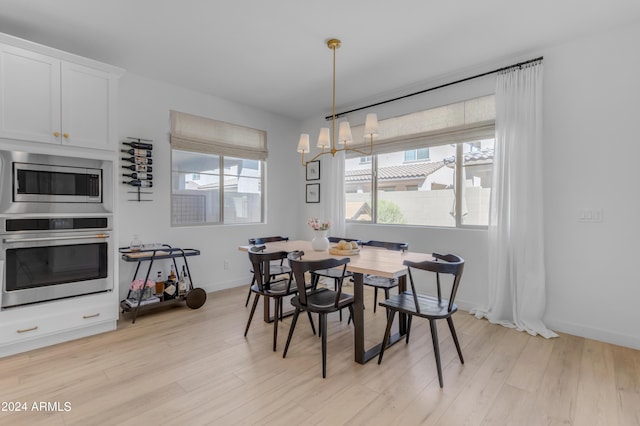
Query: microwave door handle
[[70, 237]]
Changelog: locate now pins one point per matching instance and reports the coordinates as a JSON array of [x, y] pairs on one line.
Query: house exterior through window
[[437, 174]]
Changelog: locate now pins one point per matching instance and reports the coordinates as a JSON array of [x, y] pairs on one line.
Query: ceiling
[[273, 54]]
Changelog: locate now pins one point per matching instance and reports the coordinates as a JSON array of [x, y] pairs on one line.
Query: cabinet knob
[[26, 330], [66, 135], [56, 134]]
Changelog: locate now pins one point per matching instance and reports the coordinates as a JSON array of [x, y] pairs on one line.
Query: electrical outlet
[[590, 215], [226, 264]]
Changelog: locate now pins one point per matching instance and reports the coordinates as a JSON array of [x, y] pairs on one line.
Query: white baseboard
[[224, 285], [594, 333], [601, 335]]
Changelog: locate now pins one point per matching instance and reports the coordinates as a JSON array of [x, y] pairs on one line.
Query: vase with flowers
[[141, 290], [320, 242]]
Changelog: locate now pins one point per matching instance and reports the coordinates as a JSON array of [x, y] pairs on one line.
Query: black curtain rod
[[518, 65]]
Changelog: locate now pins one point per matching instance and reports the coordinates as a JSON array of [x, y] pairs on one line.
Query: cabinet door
[[29, 95], [88, 97]]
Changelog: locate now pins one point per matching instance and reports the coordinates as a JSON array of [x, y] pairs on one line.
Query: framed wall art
[[313, 193], [313, 170]]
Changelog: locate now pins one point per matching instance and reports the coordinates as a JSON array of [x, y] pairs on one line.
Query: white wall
[[144, 112], [591, 104], [591, 110]]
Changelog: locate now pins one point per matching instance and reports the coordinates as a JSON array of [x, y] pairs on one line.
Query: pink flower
[[317, 225], [136, 285], [139, 284]]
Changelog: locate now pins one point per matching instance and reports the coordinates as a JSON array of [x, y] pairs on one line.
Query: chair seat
[[279, 269], [429, 306], [323, 301], [332, 273], [277, 288], [379, 282], [276, 269]]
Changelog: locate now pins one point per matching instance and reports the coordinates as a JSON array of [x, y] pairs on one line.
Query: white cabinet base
[[43, 324], [55, 338]]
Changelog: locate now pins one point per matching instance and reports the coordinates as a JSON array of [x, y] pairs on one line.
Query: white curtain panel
[[336, 195], [516, 245]]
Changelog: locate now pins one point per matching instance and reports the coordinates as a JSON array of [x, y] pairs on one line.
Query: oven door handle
[[70, 237]]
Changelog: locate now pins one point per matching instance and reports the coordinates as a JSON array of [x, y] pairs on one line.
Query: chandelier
[[326, 140]]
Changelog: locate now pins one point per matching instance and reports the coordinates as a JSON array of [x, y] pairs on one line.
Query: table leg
[[267, 310], [358, 318], [402, 318], [363, 355]]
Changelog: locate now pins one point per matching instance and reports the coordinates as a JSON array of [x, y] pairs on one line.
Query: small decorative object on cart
[[141, 291], [136, 244]]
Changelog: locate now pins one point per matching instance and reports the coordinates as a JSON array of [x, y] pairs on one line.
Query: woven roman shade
[[200, 134], [473, 119]]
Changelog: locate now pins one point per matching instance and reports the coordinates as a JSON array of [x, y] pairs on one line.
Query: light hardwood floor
[[190, 367]]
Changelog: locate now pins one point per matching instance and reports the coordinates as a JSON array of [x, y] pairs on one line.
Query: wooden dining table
[[369, 260]]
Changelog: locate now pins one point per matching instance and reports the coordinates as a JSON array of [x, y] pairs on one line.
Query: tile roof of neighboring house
[[477, 157], [404, 171]]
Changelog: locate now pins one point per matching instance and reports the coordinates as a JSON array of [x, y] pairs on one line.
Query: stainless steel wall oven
[[55, 227], [48, 259]]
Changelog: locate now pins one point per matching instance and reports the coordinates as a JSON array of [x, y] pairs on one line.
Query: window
[[443, 179], [233, 183], [420, 154], [215, 182]]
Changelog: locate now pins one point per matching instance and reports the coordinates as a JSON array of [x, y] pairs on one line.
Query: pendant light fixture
[[327, 137]]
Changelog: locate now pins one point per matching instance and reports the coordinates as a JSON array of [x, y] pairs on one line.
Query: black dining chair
[[277, 268], [266, 285], [432, 308], [319, 300], [382, 282], [334, 274]]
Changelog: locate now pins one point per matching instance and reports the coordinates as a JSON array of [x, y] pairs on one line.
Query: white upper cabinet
[[29, 95], [88, 104], [51, 100]]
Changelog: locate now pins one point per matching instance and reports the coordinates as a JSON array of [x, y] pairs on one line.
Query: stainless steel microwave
[[39, 183], [43, 183]]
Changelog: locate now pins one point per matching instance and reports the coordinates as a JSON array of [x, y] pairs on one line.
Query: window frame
[[221, 196], [417, 158]]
